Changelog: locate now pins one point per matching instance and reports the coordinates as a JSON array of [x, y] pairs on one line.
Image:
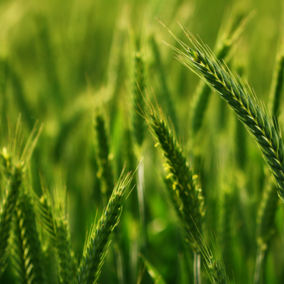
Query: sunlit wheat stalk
[[183, 185], [98, 239], [240, 97]]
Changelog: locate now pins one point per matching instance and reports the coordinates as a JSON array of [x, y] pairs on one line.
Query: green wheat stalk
[[185, 190], [241, 99], [66, 261], [167, 96], [183, 185], [8, 207], [226, 227], [98, 238], [213, 263], [268, 204], [138, 84], [105, 174], [27, 256], [265, 226], [55, 223], [65, 254], [277, 84]]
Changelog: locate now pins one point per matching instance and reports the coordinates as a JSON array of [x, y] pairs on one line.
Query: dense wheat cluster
[[141, 142]]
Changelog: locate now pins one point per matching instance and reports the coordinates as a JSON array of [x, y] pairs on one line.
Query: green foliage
[[88, 77]]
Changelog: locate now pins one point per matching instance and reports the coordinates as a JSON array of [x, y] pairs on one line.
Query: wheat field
[[141, 142]]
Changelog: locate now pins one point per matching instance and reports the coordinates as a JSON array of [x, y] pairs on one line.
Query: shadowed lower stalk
[[226, 211], [269, 200], [265, 227], [141, 203], [242, 100], [183, 185]]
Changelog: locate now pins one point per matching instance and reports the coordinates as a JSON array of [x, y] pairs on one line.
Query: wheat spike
[[185, 191], [240, 97], [98, 239]]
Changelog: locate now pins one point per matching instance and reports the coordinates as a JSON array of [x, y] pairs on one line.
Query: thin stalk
[[167, 96], [277, 85], [222, 49], [141, 204], [269, 200], [259, 265], [197, 275], [119, 263]]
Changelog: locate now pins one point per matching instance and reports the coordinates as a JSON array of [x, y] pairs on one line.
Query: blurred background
[[62, 61]]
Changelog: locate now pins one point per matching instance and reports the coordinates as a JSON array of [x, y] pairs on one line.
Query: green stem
[[196, 265], [260, 257], [141, 204]]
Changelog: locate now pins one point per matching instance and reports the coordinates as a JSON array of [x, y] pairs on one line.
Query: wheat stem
[[259, 265], [197, 275], [277, 85], [269, 200]]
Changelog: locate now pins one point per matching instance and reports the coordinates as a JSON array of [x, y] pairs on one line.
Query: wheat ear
[[138, 84], [185, 190], [105, 174], [98, 239], [27, 253], [241, 99], [183, 185], [8, 207]]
